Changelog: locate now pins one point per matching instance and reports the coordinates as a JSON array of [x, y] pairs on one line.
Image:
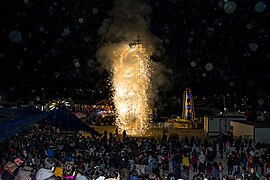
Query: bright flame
[[131, 87]]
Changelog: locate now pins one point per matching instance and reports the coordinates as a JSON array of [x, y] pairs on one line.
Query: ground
[[157, 132]]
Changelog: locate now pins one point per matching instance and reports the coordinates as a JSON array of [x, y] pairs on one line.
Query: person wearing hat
[[113, 175], [171, 176], [11, 169], [134, 176], [152, 176]]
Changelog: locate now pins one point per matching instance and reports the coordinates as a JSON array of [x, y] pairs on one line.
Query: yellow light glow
[[131, 86]]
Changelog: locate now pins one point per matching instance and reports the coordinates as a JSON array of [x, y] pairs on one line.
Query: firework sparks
[[131, 87]]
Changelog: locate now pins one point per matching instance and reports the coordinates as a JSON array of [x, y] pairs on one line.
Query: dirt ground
[[157, 132]]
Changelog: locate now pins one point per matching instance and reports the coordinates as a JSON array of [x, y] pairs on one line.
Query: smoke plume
[[128, 20]]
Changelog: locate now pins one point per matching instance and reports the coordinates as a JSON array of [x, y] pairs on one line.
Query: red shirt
[[250, 161], [208, 170], [195, 159]]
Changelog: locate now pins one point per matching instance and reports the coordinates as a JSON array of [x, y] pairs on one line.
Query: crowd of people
[[45, 152]]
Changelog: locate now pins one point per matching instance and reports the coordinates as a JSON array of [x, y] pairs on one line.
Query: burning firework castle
[[131, 85], [134, 77]]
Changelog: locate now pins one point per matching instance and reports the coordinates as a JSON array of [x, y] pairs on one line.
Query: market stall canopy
[[60, 117]]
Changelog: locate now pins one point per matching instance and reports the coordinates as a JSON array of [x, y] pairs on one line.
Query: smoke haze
[[129, 19]]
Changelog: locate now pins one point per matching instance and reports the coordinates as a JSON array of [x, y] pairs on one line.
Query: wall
[[241, 129], [217, 125], [262, 135]]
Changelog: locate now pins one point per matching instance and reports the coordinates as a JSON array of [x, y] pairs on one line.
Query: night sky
[[49, 47]]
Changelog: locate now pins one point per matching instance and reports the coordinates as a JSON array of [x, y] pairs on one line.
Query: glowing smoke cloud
[[131, 84], [130, 68]]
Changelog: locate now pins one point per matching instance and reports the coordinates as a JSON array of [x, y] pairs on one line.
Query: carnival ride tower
[[188, 112]]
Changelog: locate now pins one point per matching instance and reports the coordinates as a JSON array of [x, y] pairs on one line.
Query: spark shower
[[131, 73], [135, 79]]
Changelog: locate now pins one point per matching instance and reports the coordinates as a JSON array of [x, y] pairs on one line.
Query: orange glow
[[131, 86]]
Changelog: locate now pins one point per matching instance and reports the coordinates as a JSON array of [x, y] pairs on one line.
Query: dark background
[[56, 54]]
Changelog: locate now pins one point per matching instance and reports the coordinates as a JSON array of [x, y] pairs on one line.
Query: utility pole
[[224, 104], [43, 96]]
